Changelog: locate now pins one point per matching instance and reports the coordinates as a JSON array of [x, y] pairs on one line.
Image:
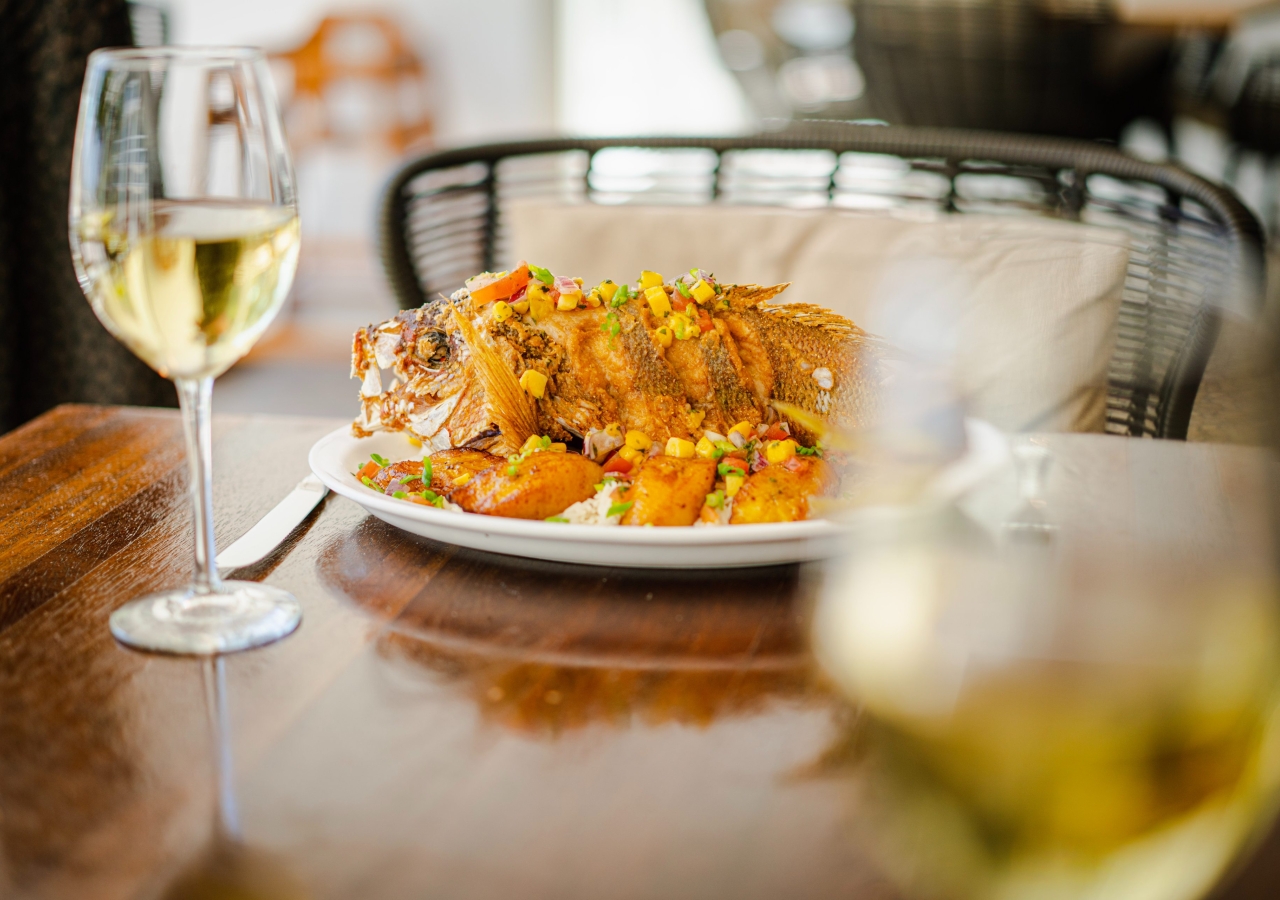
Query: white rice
[[595, 510]]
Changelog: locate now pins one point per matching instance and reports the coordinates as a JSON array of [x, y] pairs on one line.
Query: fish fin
[[814, 316], [835, 438], [747, 296], [512, 409]]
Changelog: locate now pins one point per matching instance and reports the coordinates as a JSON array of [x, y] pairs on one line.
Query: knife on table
[[275, 526]]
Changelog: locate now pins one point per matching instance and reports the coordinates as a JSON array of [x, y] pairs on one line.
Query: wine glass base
[[242, 615]]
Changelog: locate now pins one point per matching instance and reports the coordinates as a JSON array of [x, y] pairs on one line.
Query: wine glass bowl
[[184, 232]]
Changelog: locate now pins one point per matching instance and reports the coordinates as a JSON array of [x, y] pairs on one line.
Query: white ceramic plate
[[337, 455]]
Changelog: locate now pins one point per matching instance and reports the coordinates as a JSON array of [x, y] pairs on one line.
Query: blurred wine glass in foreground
[[1099, 720], [184, 232]]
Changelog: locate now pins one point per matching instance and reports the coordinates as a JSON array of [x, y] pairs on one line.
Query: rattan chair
[[442, 219]]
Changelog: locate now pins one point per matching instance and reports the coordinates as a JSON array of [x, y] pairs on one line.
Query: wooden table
[[1208, 14], [444, 723]]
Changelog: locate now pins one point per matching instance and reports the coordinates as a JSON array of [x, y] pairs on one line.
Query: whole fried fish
[[456, 370]]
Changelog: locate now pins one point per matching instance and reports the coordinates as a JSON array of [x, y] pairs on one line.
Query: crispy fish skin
[[781, 493], [545, 484], [453, 369], [449, 465], [669, 491]]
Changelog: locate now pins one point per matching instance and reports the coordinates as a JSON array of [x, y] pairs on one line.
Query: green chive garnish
[[543, 275], [561, 519], [438, 503], [684, 291], [380, 460], [619, 508], [400, 495], [622, 295]]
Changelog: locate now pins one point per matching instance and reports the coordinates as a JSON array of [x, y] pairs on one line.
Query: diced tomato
[[704, 320], [678, 303], [503, 287], [776, 433], [370, 469], [735, 462], [617, 465]]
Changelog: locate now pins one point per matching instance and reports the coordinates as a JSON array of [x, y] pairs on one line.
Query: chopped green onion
[[380, 460], [543, 275], [621, 296], [560, 519], [400, 495], [715, 499], [810, 451], [513, 471], [684, 291], [369, 484], [426, 470], [726, 469], [438, 503], [611, 324], [545, 441], [619, 508], [430, 496]]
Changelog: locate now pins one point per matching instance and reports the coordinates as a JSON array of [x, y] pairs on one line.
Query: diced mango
[[663, 335], [592, 299], [650, 279], [680, 448], [413, 441], [733, 484], [569, 301], [614, 430], [558, 447], [659, 302], [695, 418], [502, 311], [521, 307], [606, 289], [638, 440], [534, 382], [631, 455], [780, 451], [702, 292], [540, 307], [705, 448], [462, 479], [743, 428]]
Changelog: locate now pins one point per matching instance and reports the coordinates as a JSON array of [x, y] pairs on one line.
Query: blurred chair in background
[[356, 79], [52, 348], [355, 96], [1057, 67], [1064, 68]]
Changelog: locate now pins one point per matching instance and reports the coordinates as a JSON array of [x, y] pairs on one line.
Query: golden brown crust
[[781, 493], [545, 484], [669, 491], [449, 465]]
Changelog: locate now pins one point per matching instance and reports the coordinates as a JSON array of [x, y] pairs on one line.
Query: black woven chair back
[[1255, 118], [442, 219], [1010, 65]]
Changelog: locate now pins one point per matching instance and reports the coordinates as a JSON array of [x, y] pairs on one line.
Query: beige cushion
[[1020, 311]]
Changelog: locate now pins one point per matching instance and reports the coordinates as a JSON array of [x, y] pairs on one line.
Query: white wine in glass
[[184, 231]]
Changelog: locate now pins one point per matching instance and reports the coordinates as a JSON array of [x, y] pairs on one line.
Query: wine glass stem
[[195, 396]]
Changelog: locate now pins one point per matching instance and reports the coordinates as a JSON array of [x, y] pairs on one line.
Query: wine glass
[[184, 232], [1087, 718]]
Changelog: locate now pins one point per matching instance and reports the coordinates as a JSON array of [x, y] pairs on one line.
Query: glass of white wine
[[184, 233]]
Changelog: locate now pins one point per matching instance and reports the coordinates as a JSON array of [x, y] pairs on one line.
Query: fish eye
[[433, 349]]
